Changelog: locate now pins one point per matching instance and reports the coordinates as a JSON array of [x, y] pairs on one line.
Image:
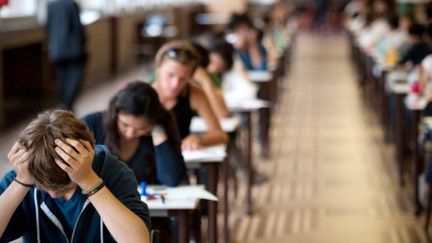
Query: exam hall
[[216, 121]]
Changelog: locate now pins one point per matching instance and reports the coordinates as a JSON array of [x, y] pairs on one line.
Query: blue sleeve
[[17, 225], [263, 64], [170, 165], [121, 181], [95, 124]]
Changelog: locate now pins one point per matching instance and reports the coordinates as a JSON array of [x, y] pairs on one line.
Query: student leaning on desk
[[176, 62], [63, 189], [138, 130], [209, 83]]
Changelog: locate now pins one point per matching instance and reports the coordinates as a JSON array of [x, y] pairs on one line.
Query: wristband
[[23, 184], [99, 185]]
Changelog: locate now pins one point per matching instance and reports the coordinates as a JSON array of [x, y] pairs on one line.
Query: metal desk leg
[[212, 170], [416, 162], [400, 137]]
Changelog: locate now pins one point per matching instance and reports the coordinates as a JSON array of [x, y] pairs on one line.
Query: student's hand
[[202, 77], [191, 142], [76, 160], [18, 156]]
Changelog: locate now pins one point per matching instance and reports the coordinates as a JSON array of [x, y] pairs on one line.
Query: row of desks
[[387, 89], [214, 160]]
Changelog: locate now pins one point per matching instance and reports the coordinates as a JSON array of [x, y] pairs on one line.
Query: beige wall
[[99, 49], [126, 32], [227, 6]]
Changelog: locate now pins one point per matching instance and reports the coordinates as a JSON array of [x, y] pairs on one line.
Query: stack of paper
[[208, 153]]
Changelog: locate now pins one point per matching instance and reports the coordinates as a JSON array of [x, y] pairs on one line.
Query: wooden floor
[[333, 179]]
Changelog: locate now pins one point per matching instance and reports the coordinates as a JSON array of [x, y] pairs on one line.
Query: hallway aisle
[[333, 178]]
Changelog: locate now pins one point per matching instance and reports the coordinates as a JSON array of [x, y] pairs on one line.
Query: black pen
[[163, 198]]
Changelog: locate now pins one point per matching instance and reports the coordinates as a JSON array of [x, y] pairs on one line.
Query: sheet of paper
[[260, 76], [228, 124], [212, 152], [185, 192]]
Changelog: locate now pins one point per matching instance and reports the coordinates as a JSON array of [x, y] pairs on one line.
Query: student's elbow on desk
[[224, 137]]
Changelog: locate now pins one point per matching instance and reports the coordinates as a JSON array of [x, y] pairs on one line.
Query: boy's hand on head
[[76, 160], [18, 156]]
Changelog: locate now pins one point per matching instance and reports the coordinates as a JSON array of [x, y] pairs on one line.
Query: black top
[[162, 164], [183, 113], [415, 53]]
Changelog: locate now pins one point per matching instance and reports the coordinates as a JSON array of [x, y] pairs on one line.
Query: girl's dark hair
[[393, 21], [138, 99], [203, 52], [237, 19], [225, 50], [416, 30]]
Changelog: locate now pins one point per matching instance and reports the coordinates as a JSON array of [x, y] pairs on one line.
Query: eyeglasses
[[181, 54]]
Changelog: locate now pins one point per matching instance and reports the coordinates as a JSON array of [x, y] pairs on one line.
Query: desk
[[267, 84], [210, 158], [229, 125], [246, 107], [179, 209], [416, 106], [260, 76]]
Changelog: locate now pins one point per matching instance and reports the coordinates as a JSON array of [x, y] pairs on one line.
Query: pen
[[163, 198]]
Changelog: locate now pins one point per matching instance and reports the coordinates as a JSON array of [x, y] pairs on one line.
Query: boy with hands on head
[[65, 189]]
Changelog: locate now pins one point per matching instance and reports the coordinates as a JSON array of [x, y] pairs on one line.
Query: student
[[65, 189], [209, 83], [387, 48], [176, 62], [247, 43], [220, 60], [66, 45], [418, 49], [138, 129]]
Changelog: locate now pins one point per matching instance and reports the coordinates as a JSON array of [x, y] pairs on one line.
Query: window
[[19, 8]]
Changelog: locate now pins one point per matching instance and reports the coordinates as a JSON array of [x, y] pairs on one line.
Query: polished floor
[[332, 178]]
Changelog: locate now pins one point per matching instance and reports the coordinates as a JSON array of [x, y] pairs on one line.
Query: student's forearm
[[212, 138], [9, 201], [123, 224], [217, 102]]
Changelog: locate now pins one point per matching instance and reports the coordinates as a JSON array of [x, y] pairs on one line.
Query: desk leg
[[384, 107], [249, 155], [197, 222], [264, 119], [400, 138], [183, 225], [225, 201], [212, 170], [415, 123]]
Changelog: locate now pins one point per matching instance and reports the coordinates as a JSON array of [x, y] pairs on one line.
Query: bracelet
[[23, 184], [99, 185], [157, 131]]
